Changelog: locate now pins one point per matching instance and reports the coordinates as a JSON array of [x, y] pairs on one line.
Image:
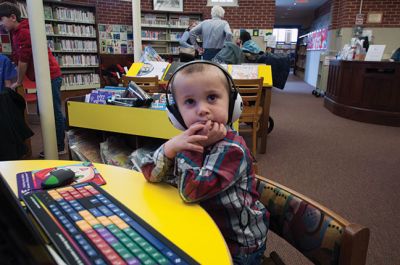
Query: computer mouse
[[58, 178]]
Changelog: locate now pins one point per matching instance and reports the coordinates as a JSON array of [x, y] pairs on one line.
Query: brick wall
[[250, 14], [344, 12]]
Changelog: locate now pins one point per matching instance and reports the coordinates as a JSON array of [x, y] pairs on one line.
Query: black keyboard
[[89, 226]]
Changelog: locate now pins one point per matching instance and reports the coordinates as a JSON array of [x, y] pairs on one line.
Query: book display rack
[[300, 60], [162, 30], [71, 36]]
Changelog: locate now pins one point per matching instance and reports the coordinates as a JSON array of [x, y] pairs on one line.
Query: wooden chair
[[251, 91], [148, 84], [318, 233], [30, 98]]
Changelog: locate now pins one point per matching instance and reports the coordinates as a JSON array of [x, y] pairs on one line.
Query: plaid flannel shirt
[[222, 181]]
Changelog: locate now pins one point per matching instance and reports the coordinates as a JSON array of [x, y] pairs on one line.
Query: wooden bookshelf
[[71, 31], [162, 30]]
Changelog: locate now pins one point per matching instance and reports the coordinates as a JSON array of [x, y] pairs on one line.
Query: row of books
[[101, 95], [175, 35], [61, 13], [80, 79], [164, 70], [72, 45], [70, 14], [77, 60], [160, 20], [71, 30], [153, 35], [285, 46]]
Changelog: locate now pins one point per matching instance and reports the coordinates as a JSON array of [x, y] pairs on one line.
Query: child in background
[[209, 162], [8, 74], [11, 20]]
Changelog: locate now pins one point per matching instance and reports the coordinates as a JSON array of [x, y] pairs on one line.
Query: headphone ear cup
[[237, 108], [175, 117]]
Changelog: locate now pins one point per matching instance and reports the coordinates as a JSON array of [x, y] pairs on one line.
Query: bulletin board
[[115, 39]]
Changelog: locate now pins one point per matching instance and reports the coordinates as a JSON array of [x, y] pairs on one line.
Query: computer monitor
[[20, 242]]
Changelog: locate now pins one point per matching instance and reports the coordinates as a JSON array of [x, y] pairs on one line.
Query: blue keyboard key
[[99, 262], [95, 212], [105, 210], [75, 216]]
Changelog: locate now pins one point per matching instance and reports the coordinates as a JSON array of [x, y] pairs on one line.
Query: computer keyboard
[[89, 226]]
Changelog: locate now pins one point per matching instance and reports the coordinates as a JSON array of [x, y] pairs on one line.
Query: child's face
[[202, 96], [9, 23]]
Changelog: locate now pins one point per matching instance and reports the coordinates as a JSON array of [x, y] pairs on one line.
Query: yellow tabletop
[[186, 225]]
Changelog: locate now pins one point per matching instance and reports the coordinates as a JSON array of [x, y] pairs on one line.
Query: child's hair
[[9, 8], [198, 68]]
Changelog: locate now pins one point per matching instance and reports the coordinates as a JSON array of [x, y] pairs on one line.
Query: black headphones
[[235, 100]]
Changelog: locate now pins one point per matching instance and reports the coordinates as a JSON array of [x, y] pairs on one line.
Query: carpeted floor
[[348, 166]]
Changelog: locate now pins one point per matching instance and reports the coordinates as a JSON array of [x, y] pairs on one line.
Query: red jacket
[[22, 51]]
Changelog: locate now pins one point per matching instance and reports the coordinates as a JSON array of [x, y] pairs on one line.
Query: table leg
[[263, 132]]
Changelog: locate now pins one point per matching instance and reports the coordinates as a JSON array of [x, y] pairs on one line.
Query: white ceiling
[[295, 10]]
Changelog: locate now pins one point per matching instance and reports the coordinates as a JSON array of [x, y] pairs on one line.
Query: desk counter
[[187, 225], [364, 91]]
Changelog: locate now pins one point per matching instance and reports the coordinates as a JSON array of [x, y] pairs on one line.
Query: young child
[[10, 19], [209, 162]]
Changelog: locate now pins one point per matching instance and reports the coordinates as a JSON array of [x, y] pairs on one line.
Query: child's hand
[[186, 141], [215, 132]]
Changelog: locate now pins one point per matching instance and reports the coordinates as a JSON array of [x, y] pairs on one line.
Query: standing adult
[[187, 52], [10, 16], [214, 33]]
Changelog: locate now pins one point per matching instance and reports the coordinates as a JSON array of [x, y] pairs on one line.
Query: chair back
[[148, 84], [250, 91], [318, 233]]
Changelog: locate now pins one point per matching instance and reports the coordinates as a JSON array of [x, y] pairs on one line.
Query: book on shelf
[[160, 102], [32, 180], [151, 69], [100, 96]]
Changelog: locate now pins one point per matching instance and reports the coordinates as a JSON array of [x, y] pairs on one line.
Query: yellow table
[[135, 121], [186, 225]]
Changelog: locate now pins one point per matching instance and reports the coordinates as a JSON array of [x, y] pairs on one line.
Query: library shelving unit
[[300, 60], [162, 30], [71, 36], [288, 49], [5, 42]]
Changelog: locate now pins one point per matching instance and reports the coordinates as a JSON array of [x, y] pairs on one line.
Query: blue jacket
[[7, 70], [251, 46]]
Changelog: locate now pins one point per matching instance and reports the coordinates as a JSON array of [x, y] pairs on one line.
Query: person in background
[[247, 44], [209, 162], [8, 74], [187, 52], [396, 55], [214, 33], [10, 16], [269, 50]]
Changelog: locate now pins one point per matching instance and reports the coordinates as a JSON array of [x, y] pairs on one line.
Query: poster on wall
[[115, 39], [317, 40]]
